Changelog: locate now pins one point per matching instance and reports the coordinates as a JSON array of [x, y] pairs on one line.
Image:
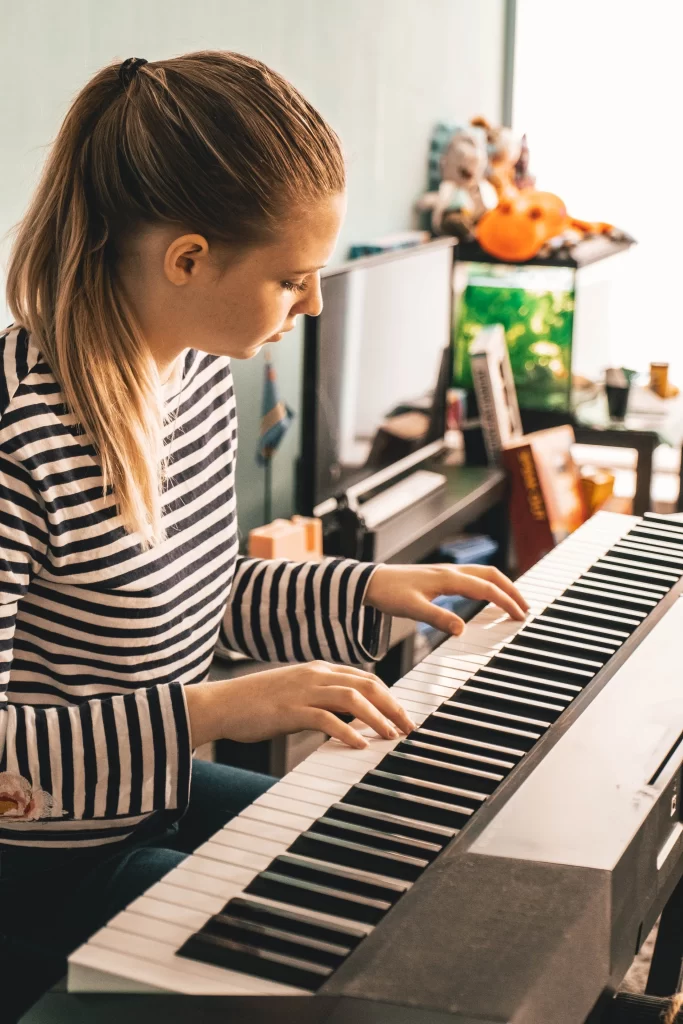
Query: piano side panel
[[500, 939]]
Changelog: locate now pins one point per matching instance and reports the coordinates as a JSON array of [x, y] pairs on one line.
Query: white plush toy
[[464, 194]]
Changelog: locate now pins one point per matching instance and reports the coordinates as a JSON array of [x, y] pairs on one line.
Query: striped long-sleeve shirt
[[99, 637]]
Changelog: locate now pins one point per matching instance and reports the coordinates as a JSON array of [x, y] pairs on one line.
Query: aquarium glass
[[535, 305]]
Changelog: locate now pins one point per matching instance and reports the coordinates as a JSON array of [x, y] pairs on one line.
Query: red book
[[546, 496]]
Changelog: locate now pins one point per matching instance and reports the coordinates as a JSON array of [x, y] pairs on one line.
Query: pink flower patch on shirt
[[19, 799]]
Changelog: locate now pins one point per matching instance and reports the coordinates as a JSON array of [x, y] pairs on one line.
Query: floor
[[636, 979]]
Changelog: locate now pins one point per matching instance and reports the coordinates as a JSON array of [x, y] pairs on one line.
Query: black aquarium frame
[[306, 469]]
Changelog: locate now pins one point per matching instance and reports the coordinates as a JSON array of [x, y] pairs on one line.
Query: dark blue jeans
[[52, 901]]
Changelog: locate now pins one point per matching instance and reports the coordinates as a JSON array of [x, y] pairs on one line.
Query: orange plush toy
[[526, 223]]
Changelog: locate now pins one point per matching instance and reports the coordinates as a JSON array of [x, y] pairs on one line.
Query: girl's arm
[[119, 757], [304, 611]]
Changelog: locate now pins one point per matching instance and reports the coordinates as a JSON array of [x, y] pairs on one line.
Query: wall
[[381, 71]]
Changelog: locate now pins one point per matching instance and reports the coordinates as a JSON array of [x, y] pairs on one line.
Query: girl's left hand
[[408, 591]]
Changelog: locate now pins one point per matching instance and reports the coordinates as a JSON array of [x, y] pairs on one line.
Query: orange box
[[314, 533], [279, 539]]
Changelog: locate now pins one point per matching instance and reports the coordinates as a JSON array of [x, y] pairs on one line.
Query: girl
[[183, 217]]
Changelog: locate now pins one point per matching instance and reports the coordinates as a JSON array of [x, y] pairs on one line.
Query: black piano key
[[476, 710], [468, 764], [423, 789], [446, 748], [639, 548], [543, 639], [583, 618], [394, 825], [272, 936], [656, 552], [354, 853], [599, 602], [295, 922], [608, 574], [519, 676], [661, 519], [491, 736], [521, 645], [596, 579], [336, 826], [340, 876], [635, 570], [405, 805], [659, 536], [491, 683], [586, 631], [621, 603], [591, 611], [326, 898], [223, 952], [513, 658], [510, 707], [405, 762]]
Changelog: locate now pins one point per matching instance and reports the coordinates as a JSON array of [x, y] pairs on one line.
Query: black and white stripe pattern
[[99, 637]]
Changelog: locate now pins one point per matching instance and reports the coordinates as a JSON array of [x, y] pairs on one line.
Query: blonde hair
[[213, 142]]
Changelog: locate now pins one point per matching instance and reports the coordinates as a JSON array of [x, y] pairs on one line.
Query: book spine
[[533, 536], [481, 377]]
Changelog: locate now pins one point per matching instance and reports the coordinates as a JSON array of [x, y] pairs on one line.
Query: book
[[546, 496], [494, 387]]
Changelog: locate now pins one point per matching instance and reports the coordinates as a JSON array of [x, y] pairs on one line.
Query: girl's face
[[186, 296]]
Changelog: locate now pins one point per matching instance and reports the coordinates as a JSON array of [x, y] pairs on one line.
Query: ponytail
[[215, 142]]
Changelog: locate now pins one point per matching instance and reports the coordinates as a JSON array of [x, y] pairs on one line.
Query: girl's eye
[[291, 286]]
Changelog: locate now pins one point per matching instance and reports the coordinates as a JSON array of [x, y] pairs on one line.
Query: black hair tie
[[128, 69]]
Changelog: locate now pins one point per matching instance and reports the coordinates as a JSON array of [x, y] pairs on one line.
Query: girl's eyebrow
[[311, 270]]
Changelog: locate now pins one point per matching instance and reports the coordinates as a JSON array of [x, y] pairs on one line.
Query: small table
[[646, 425]]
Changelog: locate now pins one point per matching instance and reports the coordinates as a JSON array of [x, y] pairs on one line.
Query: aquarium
[[535, 305]]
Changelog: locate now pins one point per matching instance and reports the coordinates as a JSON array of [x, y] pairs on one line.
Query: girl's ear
[[185, 257]]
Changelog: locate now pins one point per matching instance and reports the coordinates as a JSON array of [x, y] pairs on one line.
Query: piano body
[[503, 863]]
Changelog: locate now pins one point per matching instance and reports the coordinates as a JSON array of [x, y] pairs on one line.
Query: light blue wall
[[381, 71]]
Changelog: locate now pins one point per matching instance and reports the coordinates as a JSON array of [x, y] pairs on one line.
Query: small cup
[[617, 386], [659, 379]]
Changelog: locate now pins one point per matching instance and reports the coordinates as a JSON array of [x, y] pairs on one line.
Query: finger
[[469, 585], [489, 572], [439, 618], [350, 701], [325, 721], [379, 694], [352, 670]]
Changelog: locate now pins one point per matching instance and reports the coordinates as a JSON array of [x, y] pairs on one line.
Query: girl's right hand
[[284, 700]]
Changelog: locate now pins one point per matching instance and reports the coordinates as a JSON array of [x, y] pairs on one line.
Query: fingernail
[[393, 733], [412, 724], [363, 743]]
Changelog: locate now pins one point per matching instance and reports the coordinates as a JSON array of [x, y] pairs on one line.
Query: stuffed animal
[[523, 179], [463, 195], [504, 152], [526, 224]]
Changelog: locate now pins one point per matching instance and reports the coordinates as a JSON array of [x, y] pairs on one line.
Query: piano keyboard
[[277, 900]]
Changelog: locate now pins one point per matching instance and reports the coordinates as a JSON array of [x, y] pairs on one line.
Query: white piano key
[[329, 787], [186, 916], [427, 701], [166, 893], [264, 829], [285, 817], [297, 800], [325, 771], [186, 877], [224, 871], [248, 841], [420, 685], [233, 856]]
